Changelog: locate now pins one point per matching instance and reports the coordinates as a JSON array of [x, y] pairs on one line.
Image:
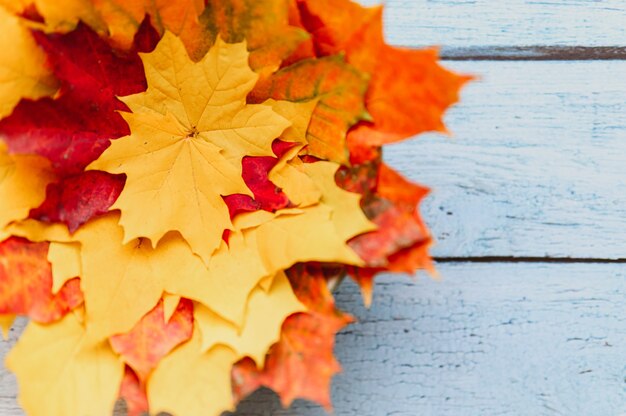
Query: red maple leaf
[[75, 127]]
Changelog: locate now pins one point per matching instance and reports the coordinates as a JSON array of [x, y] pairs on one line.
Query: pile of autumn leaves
[[180, 181]]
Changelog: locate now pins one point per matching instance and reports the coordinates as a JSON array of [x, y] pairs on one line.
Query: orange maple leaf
[[340, 89], [153, 338], [181, 17], [26, 283], [301, 364], [133, 394], [263, 24], [409, 90]]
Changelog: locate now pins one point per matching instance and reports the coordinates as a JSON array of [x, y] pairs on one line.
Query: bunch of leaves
[[181, 181]]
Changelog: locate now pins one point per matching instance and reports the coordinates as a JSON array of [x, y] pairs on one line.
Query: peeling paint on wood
[[467, 23], [536, 166], [488, 340]]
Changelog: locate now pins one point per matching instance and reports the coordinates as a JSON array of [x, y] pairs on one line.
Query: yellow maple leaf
[[335, 220], [6, 322], [65, 261], [120, 20], [348, 218], [58, 376], [23, 182], [170, 303], [38, 232], [190, 382], [23, 73], [289, 175], [264, 318], [59, 15], [189, 133], [261, 245], [122, 282]]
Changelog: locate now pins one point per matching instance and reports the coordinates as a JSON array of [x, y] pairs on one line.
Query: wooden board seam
[[534, 53], [534, 260]]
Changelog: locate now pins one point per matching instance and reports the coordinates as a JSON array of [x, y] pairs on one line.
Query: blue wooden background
[[529, 210]]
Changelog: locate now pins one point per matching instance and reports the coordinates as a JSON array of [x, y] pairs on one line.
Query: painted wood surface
[[536, 166], [464, 23], [495, 339]]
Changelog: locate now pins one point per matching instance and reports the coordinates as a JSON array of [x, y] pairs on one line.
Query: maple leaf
[[22, 70], [26, 283], [23, 181], [77, 199], [73, 129], [133, 394], [206, 389], [65, 261], [181, 17], [265, 314], [263, 24], [398, 111], [401, 242], [153, 337], [338, 86], [70, 379], [186, 147], [58, 15], [261, 245], [301, 364], [110, 291], [6, 322]]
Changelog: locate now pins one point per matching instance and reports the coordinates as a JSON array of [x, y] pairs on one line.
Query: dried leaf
[[23, 181], [134, 394], [74, 128], [301, 364], [179, 151], [409, 91], [338, 86], [59, 15], [264, 317], [69, 378], [190, 381], [170, 305], [6, 322], [263, 24], [26, 283], [77, 199], [180, 17], [65, 261], [152, 338], [22, 70]]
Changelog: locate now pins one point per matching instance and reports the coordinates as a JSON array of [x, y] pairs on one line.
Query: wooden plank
[[533, 53], [468, 23], [489, 339], [536, 166]]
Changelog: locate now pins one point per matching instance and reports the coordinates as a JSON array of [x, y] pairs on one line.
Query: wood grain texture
[[490, 339], [536, 166], [495, 339], [466, 23], [533, 53]]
